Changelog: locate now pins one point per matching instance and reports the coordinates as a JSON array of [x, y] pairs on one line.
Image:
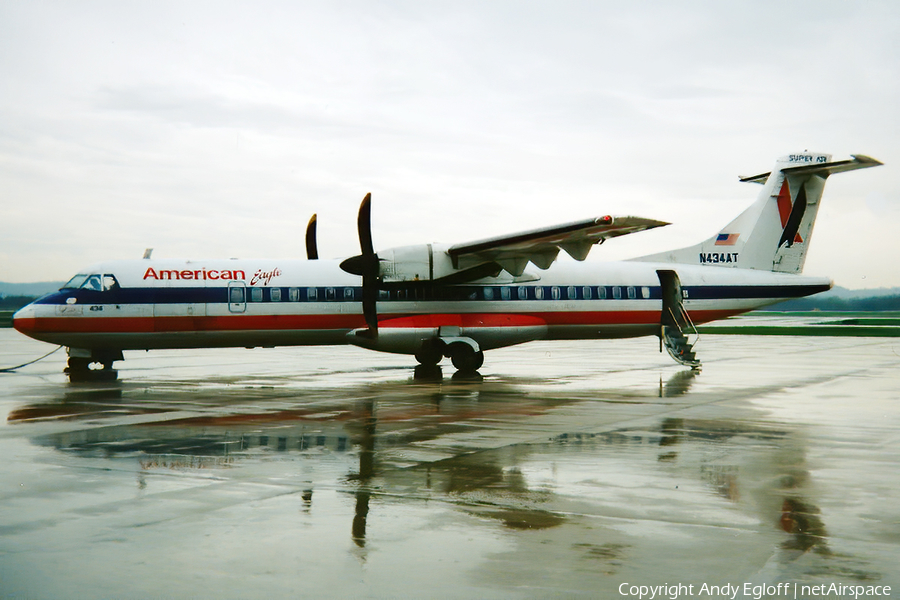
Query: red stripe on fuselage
[[323, 322], [62, 325]]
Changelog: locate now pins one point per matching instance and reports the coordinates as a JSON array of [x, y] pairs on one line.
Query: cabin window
[[312, 294], [294, 294], [236, 295], [488, 293], [632, 293], [645, 292], [554, 293], [571, 293], [586, 292], [522, 293], [348, 294], [256, 295], [275, 294], [617, 292], [329, 293], [384, 295], [539, 293], [505, 293], [601, 292]]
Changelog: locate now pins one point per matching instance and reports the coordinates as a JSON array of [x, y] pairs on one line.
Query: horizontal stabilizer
[[859, 161]]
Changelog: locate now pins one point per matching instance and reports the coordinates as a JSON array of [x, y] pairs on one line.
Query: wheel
[[77, 365], [429, 354], [464, 358], [80, 370]]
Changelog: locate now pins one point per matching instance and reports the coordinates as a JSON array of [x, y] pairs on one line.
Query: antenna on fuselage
[[147, 253]]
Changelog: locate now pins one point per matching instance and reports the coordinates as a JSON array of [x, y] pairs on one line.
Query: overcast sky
[[216, 129]]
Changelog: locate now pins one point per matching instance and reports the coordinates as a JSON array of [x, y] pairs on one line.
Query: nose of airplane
[[24, 321]]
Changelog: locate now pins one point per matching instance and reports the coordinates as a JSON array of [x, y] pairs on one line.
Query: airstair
[[677, 333]]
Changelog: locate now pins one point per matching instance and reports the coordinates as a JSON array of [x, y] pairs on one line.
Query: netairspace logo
[[756, 591]]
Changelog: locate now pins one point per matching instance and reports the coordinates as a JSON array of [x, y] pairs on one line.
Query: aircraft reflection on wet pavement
[[381, 440]]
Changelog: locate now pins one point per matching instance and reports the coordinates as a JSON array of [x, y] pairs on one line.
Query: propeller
[[312, 250], [366, 265]]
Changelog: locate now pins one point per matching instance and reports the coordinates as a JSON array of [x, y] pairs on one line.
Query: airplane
[[436, 301]]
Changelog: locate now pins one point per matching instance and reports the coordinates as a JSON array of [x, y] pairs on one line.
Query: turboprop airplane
[[456, 301]]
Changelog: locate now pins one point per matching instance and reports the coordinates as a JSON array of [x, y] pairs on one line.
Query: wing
[[541, 246]]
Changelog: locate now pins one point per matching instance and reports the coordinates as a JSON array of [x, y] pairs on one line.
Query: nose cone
[[24, 320]]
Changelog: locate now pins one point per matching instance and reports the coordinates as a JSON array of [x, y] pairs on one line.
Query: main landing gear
[[464, 354], [87, 365]]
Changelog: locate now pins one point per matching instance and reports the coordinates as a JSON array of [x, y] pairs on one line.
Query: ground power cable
[[31, 362]]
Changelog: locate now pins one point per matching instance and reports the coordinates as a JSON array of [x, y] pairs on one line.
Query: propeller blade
[[369, 298], [366, 265], [312, 250], [364, 225]]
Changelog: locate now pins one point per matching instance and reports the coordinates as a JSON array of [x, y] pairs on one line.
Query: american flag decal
[[727, 239]]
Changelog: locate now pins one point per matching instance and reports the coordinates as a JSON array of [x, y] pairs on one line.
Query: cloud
[[218, 128]]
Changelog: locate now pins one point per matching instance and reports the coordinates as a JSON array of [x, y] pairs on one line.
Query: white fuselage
[[149, 304]]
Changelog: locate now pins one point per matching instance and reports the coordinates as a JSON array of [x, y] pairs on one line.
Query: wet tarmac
[[565, 471]]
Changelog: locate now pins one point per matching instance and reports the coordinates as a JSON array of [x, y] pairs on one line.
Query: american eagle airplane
[[434, 301]]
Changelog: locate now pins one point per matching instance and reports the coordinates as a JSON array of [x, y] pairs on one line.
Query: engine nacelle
[[424, 262]]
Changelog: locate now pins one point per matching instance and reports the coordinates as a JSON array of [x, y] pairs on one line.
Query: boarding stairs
[[677, 333], [680, 338]]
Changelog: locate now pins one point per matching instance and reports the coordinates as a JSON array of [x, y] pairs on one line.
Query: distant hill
[[843, 293], [29, 289], [842, 299]]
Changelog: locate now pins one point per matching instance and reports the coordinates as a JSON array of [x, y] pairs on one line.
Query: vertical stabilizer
[[773, 234]]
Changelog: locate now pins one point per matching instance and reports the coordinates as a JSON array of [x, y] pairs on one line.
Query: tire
[[430, 354], [465, 359]]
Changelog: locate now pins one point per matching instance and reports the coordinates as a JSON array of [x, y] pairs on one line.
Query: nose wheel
[[84, 369], [84, 365]]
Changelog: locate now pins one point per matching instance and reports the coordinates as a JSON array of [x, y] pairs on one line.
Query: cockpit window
[[109, 282], [92, 283], [95, 282], [75, 282]]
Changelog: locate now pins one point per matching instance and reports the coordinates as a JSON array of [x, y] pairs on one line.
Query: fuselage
[[154, 304]]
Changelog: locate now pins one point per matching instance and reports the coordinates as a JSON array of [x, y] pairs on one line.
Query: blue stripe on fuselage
[[502, 293]]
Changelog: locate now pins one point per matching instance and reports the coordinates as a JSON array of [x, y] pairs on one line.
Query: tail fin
[[773, 234]]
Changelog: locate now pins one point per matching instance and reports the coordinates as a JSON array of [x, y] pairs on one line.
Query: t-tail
[[773, 234]]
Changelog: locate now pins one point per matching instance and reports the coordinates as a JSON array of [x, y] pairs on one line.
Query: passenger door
[[237, 296]]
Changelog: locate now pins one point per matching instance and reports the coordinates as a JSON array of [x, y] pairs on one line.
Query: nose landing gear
[[86, 365]]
